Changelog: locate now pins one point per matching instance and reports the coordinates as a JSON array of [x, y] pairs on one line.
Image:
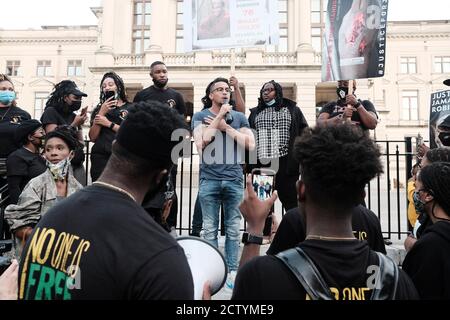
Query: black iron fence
[[385, 195]]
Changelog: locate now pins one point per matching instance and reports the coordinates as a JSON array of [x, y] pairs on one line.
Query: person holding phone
[[60, 109], [106, 119]]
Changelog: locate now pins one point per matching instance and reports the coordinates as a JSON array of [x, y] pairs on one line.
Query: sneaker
[[229, 283]]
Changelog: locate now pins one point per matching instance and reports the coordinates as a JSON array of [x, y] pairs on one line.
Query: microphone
[[228, 116]]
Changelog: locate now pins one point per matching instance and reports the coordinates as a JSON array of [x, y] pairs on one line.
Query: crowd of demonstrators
[[10, 117], [106, 119], [428, 262], [26, 162], [160, 91], [121, 252], [292, 230], [423, 220], [330, 246], [44, 191], [221, 146], [60, 109], [278, 122], [348, 108]]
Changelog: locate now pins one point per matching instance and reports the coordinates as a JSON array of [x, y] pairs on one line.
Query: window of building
[[442, 64], [13, 68], [141, 25], [318, 15], [74, 68], [44, 68], [179, 45], [40, 99], [410, 105], [408, 65], [283, 25]]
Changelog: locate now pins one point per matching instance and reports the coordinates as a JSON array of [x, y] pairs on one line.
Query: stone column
[[306, 100]]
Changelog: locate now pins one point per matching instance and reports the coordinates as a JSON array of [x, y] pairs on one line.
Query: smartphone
[[263, 181], [109, 94]]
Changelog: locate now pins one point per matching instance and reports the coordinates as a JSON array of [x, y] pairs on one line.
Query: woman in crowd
[[278, 121], [44, 191], [105, 120], [10, 117], [60, 110], [428, 262], [26, 162]]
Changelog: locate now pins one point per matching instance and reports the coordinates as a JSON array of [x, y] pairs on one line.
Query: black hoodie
[[428, 262]]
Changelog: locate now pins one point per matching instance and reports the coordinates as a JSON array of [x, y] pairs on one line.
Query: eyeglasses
[[268, 90], [221, 89]]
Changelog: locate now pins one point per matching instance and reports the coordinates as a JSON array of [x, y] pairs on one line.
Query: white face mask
[[59, 170], [270, 103]]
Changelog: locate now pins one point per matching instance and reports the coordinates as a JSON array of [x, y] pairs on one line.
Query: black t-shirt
[[120, 252], [53, 115], [22, 165], [344, 265], [106, 136], [334, 109], [169, 96], [10, 118], [428, 262], [292, 230]]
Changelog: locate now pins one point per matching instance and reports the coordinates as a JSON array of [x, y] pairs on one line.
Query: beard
[[160, 84]]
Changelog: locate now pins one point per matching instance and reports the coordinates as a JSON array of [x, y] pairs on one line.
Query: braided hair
[[278, 95], [435, 179], [60, 90]]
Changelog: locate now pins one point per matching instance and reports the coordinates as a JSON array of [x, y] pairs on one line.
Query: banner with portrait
[[440, 119], [215, 24], [354, 40]]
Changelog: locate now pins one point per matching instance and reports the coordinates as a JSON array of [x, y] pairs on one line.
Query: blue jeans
[[211, 194], [197, 219]]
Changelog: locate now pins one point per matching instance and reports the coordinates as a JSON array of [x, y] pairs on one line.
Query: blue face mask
[[270, 103], [6, 97]]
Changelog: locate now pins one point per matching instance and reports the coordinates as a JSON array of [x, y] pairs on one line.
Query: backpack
[[309, 277]]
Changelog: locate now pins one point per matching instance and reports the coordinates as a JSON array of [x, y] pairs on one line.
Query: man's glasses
[[221, 89]]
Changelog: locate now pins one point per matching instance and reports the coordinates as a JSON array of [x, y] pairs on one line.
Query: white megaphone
[[206, 262]]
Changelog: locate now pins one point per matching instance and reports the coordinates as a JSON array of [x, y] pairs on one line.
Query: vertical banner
[[212, 24], [440, 119], [354, 41]]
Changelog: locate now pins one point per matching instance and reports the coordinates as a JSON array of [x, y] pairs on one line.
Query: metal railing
[[385, 195]]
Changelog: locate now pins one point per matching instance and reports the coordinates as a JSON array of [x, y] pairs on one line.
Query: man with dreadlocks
[[428, 262], [60, 110], [278, 121], [106, 120]]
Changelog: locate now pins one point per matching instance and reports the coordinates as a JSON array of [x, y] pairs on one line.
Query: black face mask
[[342, 92], [445, 138], [159, 84], [75, 106]]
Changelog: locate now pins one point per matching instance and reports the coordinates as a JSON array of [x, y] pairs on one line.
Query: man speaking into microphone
[[221, 148]]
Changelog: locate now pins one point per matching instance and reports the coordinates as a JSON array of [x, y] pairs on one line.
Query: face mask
[[342, 92], [270, 103], [445, 138], [75, 105], [6, 97], [419, 204], [59, 170]]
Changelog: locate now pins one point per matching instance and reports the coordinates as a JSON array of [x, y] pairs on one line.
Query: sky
[[25, 14]]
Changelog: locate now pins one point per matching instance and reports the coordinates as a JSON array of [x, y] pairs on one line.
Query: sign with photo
[[440, 119]]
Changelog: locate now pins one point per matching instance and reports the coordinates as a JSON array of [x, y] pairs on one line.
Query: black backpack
[[309, 277]]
